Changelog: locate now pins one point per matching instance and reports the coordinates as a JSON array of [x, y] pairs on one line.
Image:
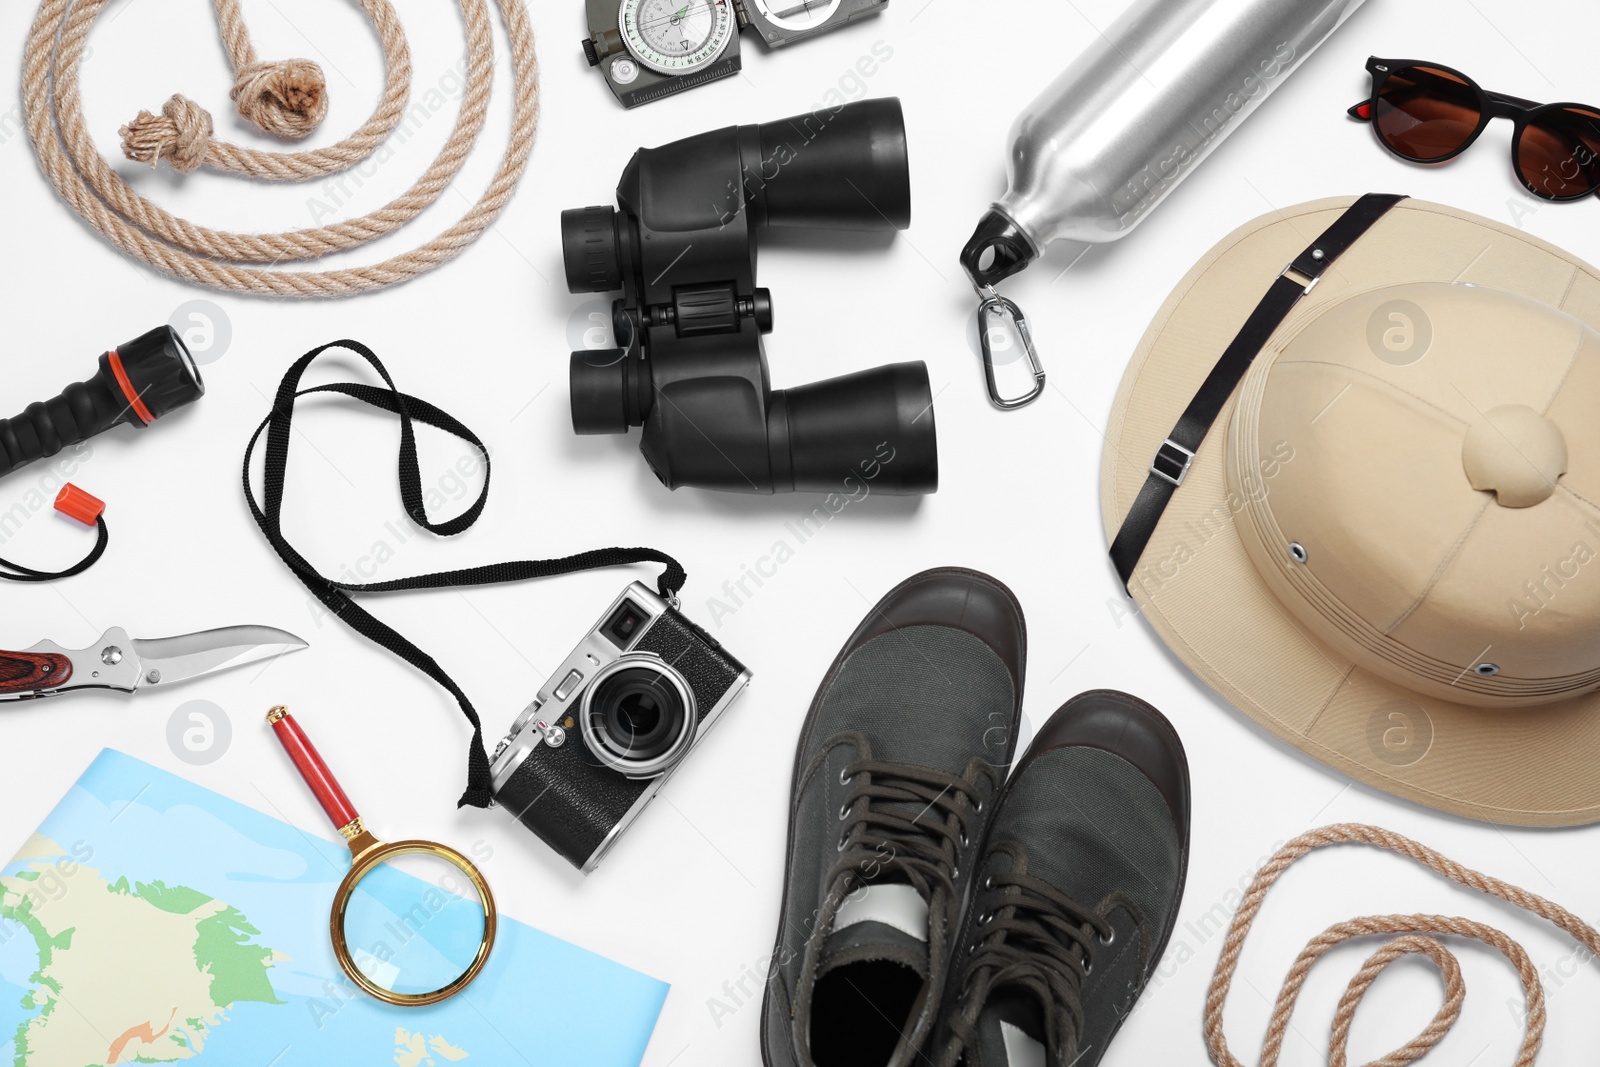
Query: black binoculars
[[690, 367]]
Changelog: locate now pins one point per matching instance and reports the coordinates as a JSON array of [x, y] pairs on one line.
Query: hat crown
[[1436, 522], [1515, 453]]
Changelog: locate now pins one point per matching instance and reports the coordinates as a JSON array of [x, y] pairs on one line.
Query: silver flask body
[[1111, 137]]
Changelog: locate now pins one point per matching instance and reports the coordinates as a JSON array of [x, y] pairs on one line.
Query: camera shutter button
[[568, 684]]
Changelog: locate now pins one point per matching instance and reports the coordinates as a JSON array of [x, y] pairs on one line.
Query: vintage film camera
[[648, 49], [612, 724]]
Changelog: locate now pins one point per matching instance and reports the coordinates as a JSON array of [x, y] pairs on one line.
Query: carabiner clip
[[995, 306]]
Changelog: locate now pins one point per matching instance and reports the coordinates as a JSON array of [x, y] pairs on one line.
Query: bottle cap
[[999, 248]]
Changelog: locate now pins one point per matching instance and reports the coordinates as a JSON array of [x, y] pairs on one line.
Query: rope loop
[[288, 99], [1455, 993], [1409, 935]]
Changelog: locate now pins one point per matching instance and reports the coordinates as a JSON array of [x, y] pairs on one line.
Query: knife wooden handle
[[22, 672]]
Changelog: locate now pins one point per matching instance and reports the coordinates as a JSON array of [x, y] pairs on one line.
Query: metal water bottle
[[1123, 125]]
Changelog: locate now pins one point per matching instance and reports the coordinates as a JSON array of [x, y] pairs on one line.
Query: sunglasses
[[1428, 113]]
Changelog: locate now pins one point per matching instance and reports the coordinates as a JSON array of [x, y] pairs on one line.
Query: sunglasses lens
[[1424, 113], [1558, 154]]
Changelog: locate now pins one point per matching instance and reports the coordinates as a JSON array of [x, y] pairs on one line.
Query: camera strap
[[335, 595]]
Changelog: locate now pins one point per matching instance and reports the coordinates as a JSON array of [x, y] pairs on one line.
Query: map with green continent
[[152, 921], [198, 957]]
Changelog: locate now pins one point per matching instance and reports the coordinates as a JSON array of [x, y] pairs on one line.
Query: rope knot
[[180, 135], [287, 98]]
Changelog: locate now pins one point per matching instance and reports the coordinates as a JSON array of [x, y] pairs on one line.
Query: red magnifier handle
[[312, 769]]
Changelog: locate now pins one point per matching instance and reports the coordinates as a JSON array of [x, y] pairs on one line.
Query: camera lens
[[638, 717], [637, 711]]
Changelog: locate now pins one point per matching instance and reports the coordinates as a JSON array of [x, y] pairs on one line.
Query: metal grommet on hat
[[1386, 547]]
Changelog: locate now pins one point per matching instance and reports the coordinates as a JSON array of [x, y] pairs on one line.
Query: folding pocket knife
[[130, 664]]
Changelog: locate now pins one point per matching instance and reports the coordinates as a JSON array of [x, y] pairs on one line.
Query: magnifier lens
[[414, 924]]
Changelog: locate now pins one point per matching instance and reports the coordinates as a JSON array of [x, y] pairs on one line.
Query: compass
[[650, 49], [677, 36]]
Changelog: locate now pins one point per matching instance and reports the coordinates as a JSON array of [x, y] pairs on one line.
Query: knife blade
[[128, 664]]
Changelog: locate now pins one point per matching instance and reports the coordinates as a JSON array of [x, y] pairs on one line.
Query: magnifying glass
[[413, 921]]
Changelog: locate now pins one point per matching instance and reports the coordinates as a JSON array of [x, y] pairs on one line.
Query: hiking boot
[[1076, 892], [901, 756]]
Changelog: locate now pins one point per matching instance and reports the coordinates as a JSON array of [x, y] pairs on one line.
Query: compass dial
[[676, 36], [797, 14]]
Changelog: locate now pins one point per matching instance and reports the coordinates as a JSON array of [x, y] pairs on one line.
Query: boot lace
[[909, 822], [1035, 938]]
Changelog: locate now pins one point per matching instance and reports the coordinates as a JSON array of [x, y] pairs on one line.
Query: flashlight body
[[136, 384]]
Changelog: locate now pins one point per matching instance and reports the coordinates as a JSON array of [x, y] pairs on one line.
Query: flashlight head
[[161, 371]]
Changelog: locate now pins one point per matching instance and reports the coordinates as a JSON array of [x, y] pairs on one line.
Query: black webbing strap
[[1175, 455], [335, 594], [16, 572]]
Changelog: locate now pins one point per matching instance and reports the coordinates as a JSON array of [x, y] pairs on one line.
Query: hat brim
[[1538, 766]]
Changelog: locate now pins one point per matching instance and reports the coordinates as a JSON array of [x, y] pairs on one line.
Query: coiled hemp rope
[[1418, 935], [287, 98]]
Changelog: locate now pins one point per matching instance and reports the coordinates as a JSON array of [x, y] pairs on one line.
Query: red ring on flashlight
[[128, 390]]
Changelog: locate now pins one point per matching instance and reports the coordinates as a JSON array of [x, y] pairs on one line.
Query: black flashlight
[[137, 383]]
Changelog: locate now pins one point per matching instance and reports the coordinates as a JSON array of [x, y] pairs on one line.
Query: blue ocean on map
[[540, 1001]]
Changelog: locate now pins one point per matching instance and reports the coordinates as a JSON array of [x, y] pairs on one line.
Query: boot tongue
[[1011, 1031], [879, 922]]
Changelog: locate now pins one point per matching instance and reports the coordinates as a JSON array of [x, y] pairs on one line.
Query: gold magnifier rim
[[378, 853]]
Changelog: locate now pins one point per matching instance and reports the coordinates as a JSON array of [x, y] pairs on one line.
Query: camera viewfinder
[[623, 626]]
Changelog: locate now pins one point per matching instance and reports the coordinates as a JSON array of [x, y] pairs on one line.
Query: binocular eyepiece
[[690, 367]]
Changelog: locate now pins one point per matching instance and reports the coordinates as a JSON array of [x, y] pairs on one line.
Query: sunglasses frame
[[1491, 106]]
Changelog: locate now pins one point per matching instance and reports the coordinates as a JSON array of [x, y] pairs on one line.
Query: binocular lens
[[838, 170], [873, 428]]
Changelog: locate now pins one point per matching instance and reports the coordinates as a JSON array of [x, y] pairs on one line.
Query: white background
[[692, 893]]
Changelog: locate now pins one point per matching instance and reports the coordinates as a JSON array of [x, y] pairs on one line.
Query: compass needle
[[670, 37]]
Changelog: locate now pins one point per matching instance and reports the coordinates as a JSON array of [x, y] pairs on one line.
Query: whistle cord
[[1416, 935], [287, 99], [16, 572], [335, 595]]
